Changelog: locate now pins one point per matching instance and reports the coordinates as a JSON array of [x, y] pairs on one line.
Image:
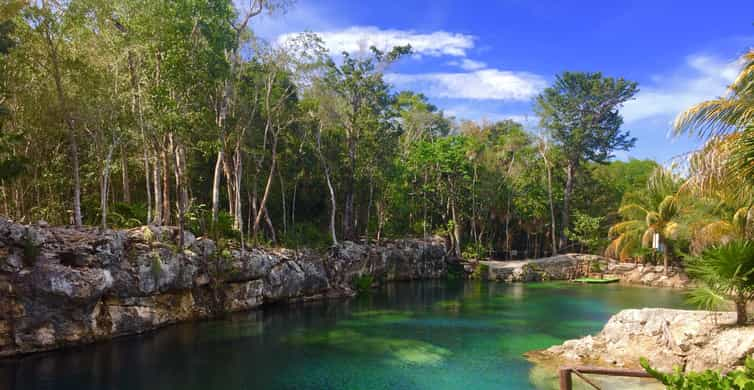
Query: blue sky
[[488, 59]]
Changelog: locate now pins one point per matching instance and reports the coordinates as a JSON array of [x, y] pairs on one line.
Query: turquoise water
[[422, 335]]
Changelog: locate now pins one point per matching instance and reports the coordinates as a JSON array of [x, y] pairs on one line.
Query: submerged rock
[[63, 286], [692, 340]]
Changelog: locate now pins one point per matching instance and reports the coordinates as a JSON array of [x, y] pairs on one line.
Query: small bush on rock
[[362, 284], [31, 250], [156, 267]]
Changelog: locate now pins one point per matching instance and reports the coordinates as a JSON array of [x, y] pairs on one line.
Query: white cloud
[[701, 78], [467, 64], [359, 38], [486, 84]]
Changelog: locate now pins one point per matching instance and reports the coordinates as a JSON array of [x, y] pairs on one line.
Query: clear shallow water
[[421, 335]]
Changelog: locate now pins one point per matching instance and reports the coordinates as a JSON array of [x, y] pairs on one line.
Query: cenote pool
[[419, 335]]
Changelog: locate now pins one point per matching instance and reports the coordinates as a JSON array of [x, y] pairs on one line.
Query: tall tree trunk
[[68, 119], [5, 198], [553, 227], [380, 219], [270, 226], [349, 232], [256, 7], [456, 229], [507, 226], [330, 188], [474, 234], [283, 202], [179, 168], [139, 112], [230, 184], [148, 188], [369, 207], [424, 205], [567, 194], [157, 187], [742, 316], [104, 187], [293, 204], [268, 185], [216, 186], [237, 175], [165, 183], [124, 175]]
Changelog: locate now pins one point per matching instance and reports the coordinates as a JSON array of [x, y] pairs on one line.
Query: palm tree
[[739, 226], [726, 272], [722, 209], [732, 114], [655, 212], [726, 114]]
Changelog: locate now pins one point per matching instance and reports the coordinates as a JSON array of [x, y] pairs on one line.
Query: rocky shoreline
[[573, 265], [694, 340], [61, 286]]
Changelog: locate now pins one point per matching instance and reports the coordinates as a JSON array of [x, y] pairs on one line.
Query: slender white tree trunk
[[105, 185], [326, 168], [216, 186]]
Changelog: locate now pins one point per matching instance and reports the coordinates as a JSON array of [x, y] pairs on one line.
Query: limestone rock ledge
[[559, 267], [573, 265], [693, 340], [649, 275], [62, 286]]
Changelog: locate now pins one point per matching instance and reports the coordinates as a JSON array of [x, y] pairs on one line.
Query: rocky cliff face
[[61, 286], [692, 340]]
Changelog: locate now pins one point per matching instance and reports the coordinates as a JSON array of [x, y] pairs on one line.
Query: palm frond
[[625, 226], [671, 231], [715, 117], [742, 220], [661, 183], [706, 298], [632, 211], [668, 208], [744, 82], [742, 154], [716, 170], [653, 218], [718, 232], [646, 237]]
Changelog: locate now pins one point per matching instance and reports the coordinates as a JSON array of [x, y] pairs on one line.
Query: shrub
[[726, 273], [31, 250], [156, 267], [587, 231], [475, 251], [307, 234], [363, 283], [706, 380], [481, 271], [125, 215]]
